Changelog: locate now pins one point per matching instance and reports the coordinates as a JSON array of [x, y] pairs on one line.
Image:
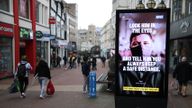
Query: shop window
[[24, 8], [42, 50], [4, 5], [6, 59]]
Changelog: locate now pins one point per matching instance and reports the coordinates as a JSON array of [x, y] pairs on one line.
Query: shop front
[[181, 38], [27, 45], [54, 52], [62, 49], [58, 49], [6, 50], [43, 45], [26, 39]]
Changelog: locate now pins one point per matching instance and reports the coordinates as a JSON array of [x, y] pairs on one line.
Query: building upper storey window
[[4, 5], [53, 5], [190, 7], [37, 11], [41, 13], [59, 9], [24, 8]]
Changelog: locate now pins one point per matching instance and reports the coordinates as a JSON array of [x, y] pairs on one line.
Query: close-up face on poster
[[142, 52]]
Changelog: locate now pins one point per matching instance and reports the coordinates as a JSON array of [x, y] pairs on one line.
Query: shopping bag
[[50, 88], [14, 88]]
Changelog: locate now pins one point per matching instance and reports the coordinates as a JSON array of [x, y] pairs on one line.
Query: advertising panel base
[[139, 102]]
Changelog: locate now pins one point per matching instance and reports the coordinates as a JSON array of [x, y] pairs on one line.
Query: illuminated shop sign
[[26, 33]]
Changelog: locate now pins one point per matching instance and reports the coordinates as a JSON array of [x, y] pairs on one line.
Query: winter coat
[[42, 70], [182, 72]]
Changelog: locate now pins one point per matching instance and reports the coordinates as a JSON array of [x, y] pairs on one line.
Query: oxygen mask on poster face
[[136, 49]]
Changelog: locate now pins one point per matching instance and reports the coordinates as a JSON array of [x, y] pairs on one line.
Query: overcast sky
[[96, 12]]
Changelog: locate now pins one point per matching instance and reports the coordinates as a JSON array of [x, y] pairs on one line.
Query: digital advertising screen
[[142, 50]]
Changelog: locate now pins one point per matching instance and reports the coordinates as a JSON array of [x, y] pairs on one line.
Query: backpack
[[21, 70]]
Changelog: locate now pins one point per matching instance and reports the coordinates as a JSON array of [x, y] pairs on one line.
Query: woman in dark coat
[[43, 73], [182, 74]]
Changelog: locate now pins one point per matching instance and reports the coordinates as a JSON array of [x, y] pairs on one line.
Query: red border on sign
[[6, 29], [52, 20]]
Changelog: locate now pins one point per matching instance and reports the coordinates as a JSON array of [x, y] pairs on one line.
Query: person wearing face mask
[[141, 46]]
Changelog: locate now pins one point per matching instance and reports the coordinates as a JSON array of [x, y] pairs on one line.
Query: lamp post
[[151, 4], [161, 5], [140, 5]]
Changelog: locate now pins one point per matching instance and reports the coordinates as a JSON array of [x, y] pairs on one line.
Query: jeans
[[86, 83], [23, 83], [43, 83]]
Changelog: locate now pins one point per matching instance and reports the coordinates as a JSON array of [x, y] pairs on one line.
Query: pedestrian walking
[[78, 60], [58, 61], [94, 63], [64, 60], [103, 59], [182, 74], [74, 61], [43, 73], [70, 62], [22, 74], [85, 71]]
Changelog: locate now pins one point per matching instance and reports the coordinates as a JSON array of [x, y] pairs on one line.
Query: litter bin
[[92, 84]]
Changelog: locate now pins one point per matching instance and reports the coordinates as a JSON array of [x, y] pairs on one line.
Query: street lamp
[[140, 5], [151, 4], [161, 5]]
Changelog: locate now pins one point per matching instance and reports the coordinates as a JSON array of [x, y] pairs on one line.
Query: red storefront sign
[[52, 20], [6, 29]]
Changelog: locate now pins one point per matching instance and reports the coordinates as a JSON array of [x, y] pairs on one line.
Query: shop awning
[[62, 43]]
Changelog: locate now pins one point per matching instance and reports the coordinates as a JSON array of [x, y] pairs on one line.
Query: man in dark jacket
[[43, 73], [85, 71], [182, 74]]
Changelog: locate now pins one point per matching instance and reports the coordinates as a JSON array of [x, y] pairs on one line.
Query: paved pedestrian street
[[61, 99], [68, 86]]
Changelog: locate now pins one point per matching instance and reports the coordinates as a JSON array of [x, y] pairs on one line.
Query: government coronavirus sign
[[142, 53]]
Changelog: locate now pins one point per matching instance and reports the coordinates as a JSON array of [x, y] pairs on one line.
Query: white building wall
[[43, 17], [106, 38], [43, 25], [6, 17], [26, 23]]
